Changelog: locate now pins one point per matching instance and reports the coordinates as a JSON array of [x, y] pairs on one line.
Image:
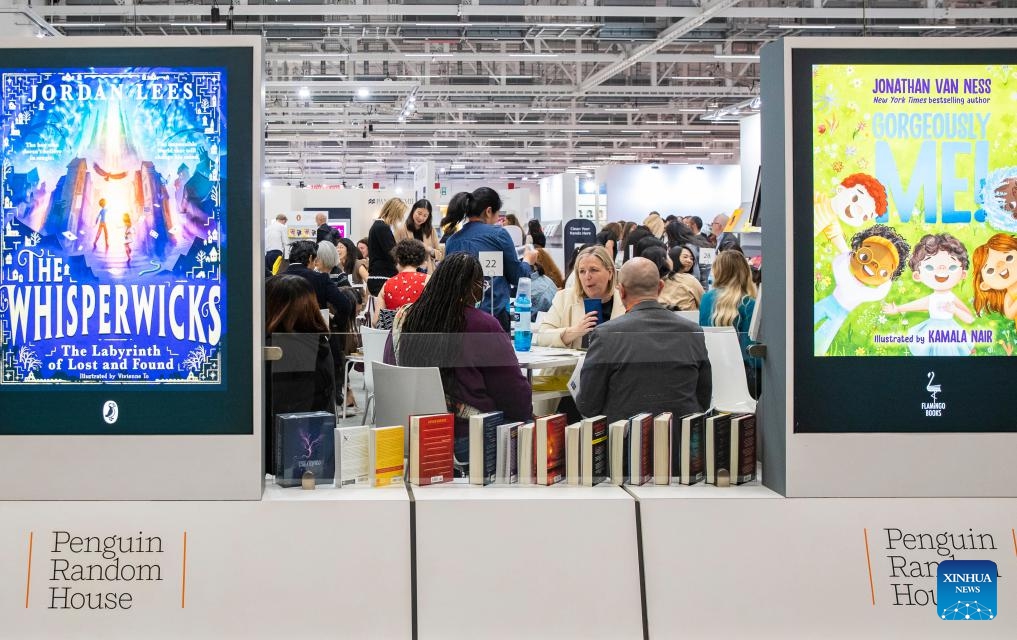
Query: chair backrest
[[689, 315], [400, 392], [515, 233], [730, 386], [539, 320], [374, 351]]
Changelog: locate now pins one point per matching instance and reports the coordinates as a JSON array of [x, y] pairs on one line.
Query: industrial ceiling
[[507, 89]]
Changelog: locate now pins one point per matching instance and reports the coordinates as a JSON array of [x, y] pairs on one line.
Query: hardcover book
[[549, 451], [688, 453], [572, 472], [640, 449], [662, 449], [484, 446], [743, 448], [352, 466], [617, 435], [431, 438], [593, 441], [304, 443], [526, 474], [508, 453], [385, 451], [718, 445]]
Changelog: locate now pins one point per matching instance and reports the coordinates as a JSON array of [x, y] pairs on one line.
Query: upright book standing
[[303, 445], [593, 442], [639, 449], [662, 449], [526, 473], [484, 446], [507, 453], [431, 439], [718, 445], [352, 466], [386, 452], [743, 448], [688, 454], [617, 438], [573, 475], [549, 448]]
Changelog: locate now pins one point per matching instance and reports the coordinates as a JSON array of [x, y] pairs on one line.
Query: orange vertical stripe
[[868, 560], [28, 582], [183, 580], [1014, 534]]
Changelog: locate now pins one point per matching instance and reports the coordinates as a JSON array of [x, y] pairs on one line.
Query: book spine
[[744, 445], [600, 461], [490, 453], [697, 451], [661, 452]]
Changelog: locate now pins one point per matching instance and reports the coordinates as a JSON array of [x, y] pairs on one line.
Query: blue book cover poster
[[113, 240], [966, 590]]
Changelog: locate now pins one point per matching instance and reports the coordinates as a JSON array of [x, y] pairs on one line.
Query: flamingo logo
[[933, 389]]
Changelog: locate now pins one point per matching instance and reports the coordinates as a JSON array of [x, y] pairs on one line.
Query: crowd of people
[[423, 281]]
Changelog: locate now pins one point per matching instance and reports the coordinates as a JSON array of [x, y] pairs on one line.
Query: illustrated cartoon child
[[101, 221], [128, 237], [860, 199], [940, 262], [995, 281], [862, 274]]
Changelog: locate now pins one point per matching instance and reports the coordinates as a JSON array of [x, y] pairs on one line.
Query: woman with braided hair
[[444, 329]]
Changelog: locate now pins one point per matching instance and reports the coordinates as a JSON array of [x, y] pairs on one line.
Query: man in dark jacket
[[302, 255], [325, 232], [648, 359]]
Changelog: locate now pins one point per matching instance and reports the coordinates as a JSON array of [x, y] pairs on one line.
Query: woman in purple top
[[479, 369]]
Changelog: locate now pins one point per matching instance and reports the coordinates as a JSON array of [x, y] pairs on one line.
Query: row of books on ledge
[[714, 447]]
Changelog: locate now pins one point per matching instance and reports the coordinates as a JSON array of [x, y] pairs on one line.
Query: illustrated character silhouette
[[128, 237], [101, 221]]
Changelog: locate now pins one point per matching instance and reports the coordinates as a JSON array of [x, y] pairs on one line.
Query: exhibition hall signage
[[117, 238], [905, 238]]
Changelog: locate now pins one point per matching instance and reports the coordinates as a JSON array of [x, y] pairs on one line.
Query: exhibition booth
[[139, 391]]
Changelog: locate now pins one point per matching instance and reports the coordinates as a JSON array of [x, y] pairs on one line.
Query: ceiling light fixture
[[312, 24], [304, 93], [923, 27], [532, 55], [363, 92], [735, 57], [444, 24], [802, 26], [428, 55]]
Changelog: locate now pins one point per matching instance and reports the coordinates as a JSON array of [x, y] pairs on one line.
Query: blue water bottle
[[523, 335]]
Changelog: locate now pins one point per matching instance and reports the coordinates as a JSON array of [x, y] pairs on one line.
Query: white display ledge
[[526, 562], [327, 562], [702, 491], [800, 567]]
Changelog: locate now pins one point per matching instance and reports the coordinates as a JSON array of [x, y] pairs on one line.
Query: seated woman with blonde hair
[[568, 323]]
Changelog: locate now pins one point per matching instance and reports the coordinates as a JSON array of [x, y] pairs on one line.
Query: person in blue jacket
[[480, 210]]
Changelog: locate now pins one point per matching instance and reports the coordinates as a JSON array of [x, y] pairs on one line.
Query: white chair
[[539, 320], [515, 233], [730, 386], [374, 352], [401, 392], [689, 315]]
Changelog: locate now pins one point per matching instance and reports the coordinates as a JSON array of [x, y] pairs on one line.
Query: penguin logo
[[110, 411]]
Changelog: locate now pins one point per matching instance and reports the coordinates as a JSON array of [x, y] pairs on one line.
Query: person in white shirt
[[275, 240]]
